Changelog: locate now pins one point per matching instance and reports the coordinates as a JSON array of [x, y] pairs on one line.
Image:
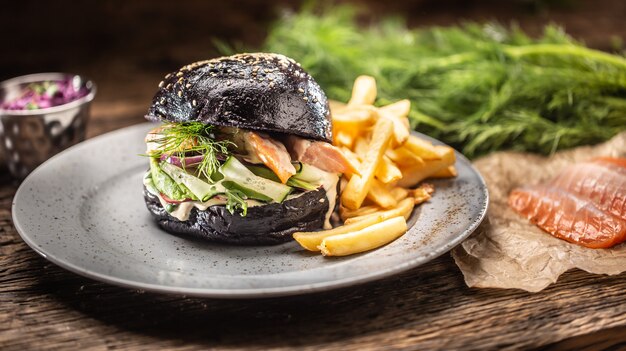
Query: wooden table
[[45, 307]]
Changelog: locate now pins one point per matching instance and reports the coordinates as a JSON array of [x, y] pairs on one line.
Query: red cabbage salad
[[46, 94]]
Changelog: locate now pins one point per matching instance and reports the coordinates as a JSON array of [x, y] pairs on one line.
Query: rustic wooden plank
[[607, 339]]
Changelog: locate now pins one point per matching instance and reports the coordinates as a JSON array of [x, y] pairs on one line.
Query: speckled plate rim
[[251, 292]]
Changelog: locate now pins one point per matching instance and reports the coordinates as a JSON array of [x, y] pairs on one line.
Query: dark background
[[127, 46]]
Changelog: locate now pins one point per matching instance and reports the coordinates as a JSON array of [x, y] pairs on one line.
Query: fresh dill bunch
[[477, 87], [179, 139]]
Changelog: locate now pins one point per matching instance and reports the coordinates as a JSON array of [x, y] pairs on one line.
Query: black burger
[[243, 154]]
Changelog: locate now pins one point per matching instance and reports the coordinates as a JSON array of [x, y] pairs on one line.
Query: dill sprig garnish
[[187, 138], [478, 87]]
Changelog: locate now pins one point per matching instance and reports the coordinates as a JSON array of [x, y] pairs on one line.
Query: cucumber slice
[[297, 183], [310, 174], [149, 184], [264, 172], [201, 189], [164, 183], [294, 181], [297, 165], [251, 194], [235, 171]]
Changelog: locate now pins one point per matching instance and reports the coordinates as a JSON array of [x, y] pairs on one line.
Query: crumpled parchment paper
[[507, 251]]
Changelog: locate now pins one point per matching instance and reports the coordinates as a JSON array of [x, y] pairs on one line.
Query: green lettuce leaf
[[165, 184]]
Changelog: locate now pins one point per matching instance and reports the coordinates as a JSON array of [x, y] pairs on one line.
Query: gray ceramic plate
[[84, 210]]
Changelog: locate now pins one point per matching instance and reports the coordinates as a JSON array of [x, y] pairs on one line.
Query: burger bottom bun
[[263, 225]]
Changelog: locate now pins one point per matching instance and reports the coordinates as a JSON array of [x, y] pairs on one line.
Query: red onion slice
[[172, 201], [178, 161]]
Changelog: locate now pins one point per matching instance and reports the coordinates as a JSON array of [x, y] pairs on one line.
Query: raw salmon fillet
[[585, 204], [601, 183]]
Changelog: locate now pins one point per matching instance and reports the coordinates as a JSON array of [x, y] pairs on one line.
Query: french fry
[[399, 193], [399, 108], [343, 139], [360, 147], [336, 106], [352, 121], [380, 195], [415, 174], [359, 185], [387, 171], [447, 172], [400, 127], [366, 239], [345, 213], [376, 203], [422, 193], [404, 208], [354, 160], [421, 148], [363, 91], [312, 240], [352, 157], [403, 157]]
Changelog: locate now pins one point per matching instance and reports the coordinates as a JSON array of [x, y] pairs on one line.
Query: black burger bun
[[263, 225], [257, 91]]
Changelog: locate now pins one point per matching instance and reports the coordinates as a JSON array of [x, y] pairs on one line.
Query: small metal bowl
[[30, 137]]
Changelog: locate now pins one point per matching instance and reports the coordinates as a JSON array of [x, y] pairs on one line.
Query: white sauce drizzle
[[330, 185], [183, 209], [329, 182]]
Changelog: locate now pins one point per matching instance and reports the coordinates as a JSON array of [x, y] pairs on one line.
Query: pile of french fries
[[376, 203]]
